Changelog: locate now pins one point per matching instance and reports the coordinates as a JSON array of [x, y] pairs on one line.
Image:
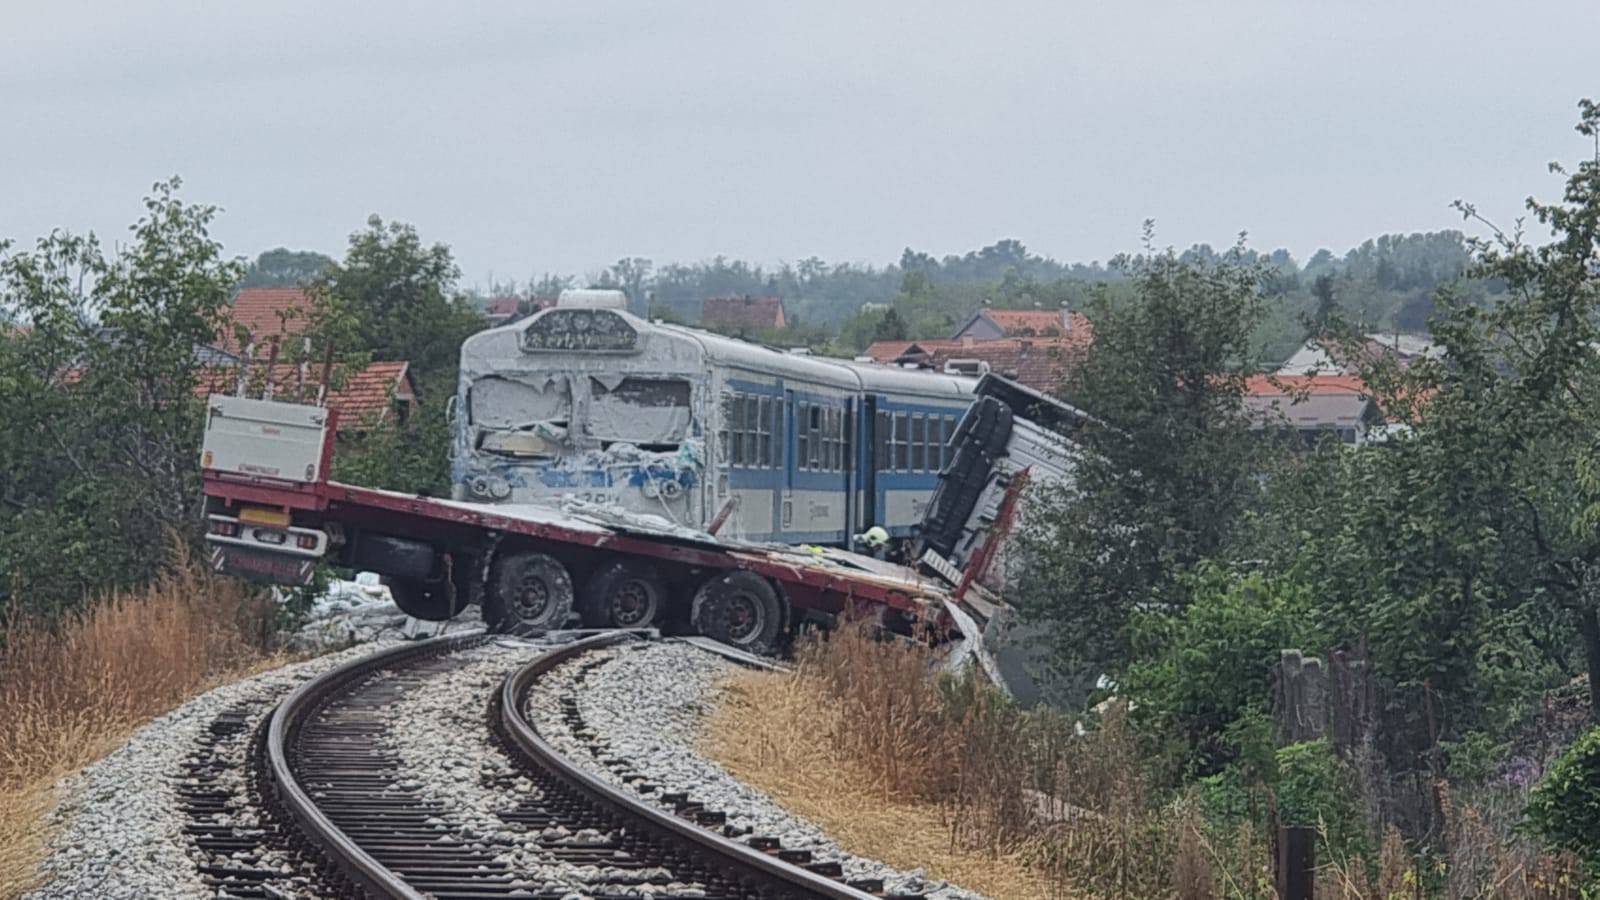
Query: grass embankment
[[72, 693], [920, 771], [891, 763]]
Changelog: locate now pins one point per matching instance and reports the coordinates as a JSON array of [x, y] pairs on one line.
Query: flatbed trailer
[[274, 515]]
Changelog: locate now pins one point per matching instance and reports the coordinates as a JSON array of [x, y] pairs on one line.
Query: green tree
[[1327, 305], [98, 401], [1169, 461], [1467, 551], [283, 267], [890, 328], [395, 298], [1519, 390]]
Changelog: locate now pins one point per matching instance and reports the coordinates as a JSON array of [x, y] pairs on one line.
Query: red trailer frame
[[425, 518], [824, 580]]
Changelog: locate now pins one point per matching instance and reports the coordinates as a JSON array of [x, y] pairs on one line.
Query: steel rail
[[738, 858], [338, 848]]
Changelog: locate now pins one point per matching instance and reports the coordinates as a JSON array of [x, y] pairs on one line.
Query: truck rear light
[[306, 541], [226, 529]]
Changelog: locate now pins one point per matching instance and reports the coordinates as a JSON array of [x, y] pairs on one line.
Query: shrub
[[1565, 807], [74, 688], [1209, 667], [1314, 789]]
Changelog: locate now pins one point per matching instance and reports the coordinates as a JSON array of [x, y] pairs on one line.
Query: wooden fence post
[[1297, 862]]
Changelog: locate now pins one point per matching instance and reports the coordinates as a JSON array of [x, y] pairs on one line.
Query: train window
[[847, 439], [902, 443], [814, 425], [650, 412], [918, 442], [802, 437], [777, 431], [949, 438], [829, 441], [496, 402], [934, 443], [880, 439], [752, 428], [836, 425], [736, 425], [764, 431], [725, 435], [825, 456]]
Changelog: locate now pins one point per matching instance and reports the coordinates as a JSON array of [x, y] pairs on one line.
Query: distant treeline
[[1385, 283]]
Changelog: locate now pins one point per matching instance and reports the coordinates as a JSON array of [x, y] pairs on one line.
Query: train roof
[[827, 370], [504, 341]]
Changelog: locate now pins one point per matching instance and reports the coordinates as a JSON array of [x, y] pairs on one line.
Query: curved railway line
[[329, 776]]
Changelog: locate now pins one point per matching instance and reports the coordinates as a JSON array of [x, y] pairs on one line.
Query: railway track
[[333, 778]]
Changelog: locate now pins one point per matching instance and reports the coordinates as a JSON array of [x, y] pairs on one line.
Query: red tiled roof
[[265, 312], [502, 306], [1313, 385], [1013, 321], [1036, 322], [366, 396], [1039, 363], [745, 312], [893, 351]]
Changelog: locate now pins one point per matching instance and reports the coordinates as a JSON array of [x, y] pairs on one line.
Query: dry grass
[[924, 772], [779, 734], [71, 694], [941, 774]]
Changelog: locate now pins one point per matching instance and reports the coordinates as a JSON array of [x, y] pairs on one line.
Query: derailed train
[[585, 402]]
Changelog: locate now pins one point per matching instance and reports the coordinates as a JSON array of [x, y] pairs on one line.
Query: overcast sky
[[545, 136]]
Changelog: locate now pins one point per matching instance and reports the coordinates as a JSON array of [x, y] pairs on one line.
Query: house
[[1318, 355], [501, 310], [988, 324], [264, 313], [1034, 347], [362, 398], [1038, 363], [1311, 407], [901, 353], [742, 314]]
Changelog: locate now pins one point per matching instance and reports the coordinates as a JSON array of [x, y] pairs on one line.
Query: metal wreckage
[[645, 475]]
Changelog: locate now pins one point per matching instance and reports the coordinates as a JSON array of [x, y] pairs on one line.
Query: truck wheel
[[429, 600], [623, 594], [527, 591], [741, 610]]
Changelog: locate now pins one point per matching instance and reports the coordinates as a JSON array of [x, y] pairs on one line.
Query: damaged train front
[[583, 404]]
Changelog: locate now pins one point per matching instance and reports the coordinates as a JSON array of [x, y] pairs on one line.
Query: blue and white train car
[[588, 402]]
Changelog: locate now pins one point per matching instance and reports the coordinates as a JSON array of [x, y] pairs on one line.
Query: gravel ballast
[[648, 702], [439, 732], [118, 831]]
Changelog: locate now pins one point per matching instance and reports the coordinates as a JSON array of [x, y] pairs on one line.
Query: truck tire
[[739, 609], [626, 593], [389, 555], [428, 600], [527, 592]]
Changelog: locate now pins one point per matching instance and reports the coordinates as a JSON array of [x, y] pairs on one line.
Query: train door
[[867, 464], [784, 512], [848, 466]]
